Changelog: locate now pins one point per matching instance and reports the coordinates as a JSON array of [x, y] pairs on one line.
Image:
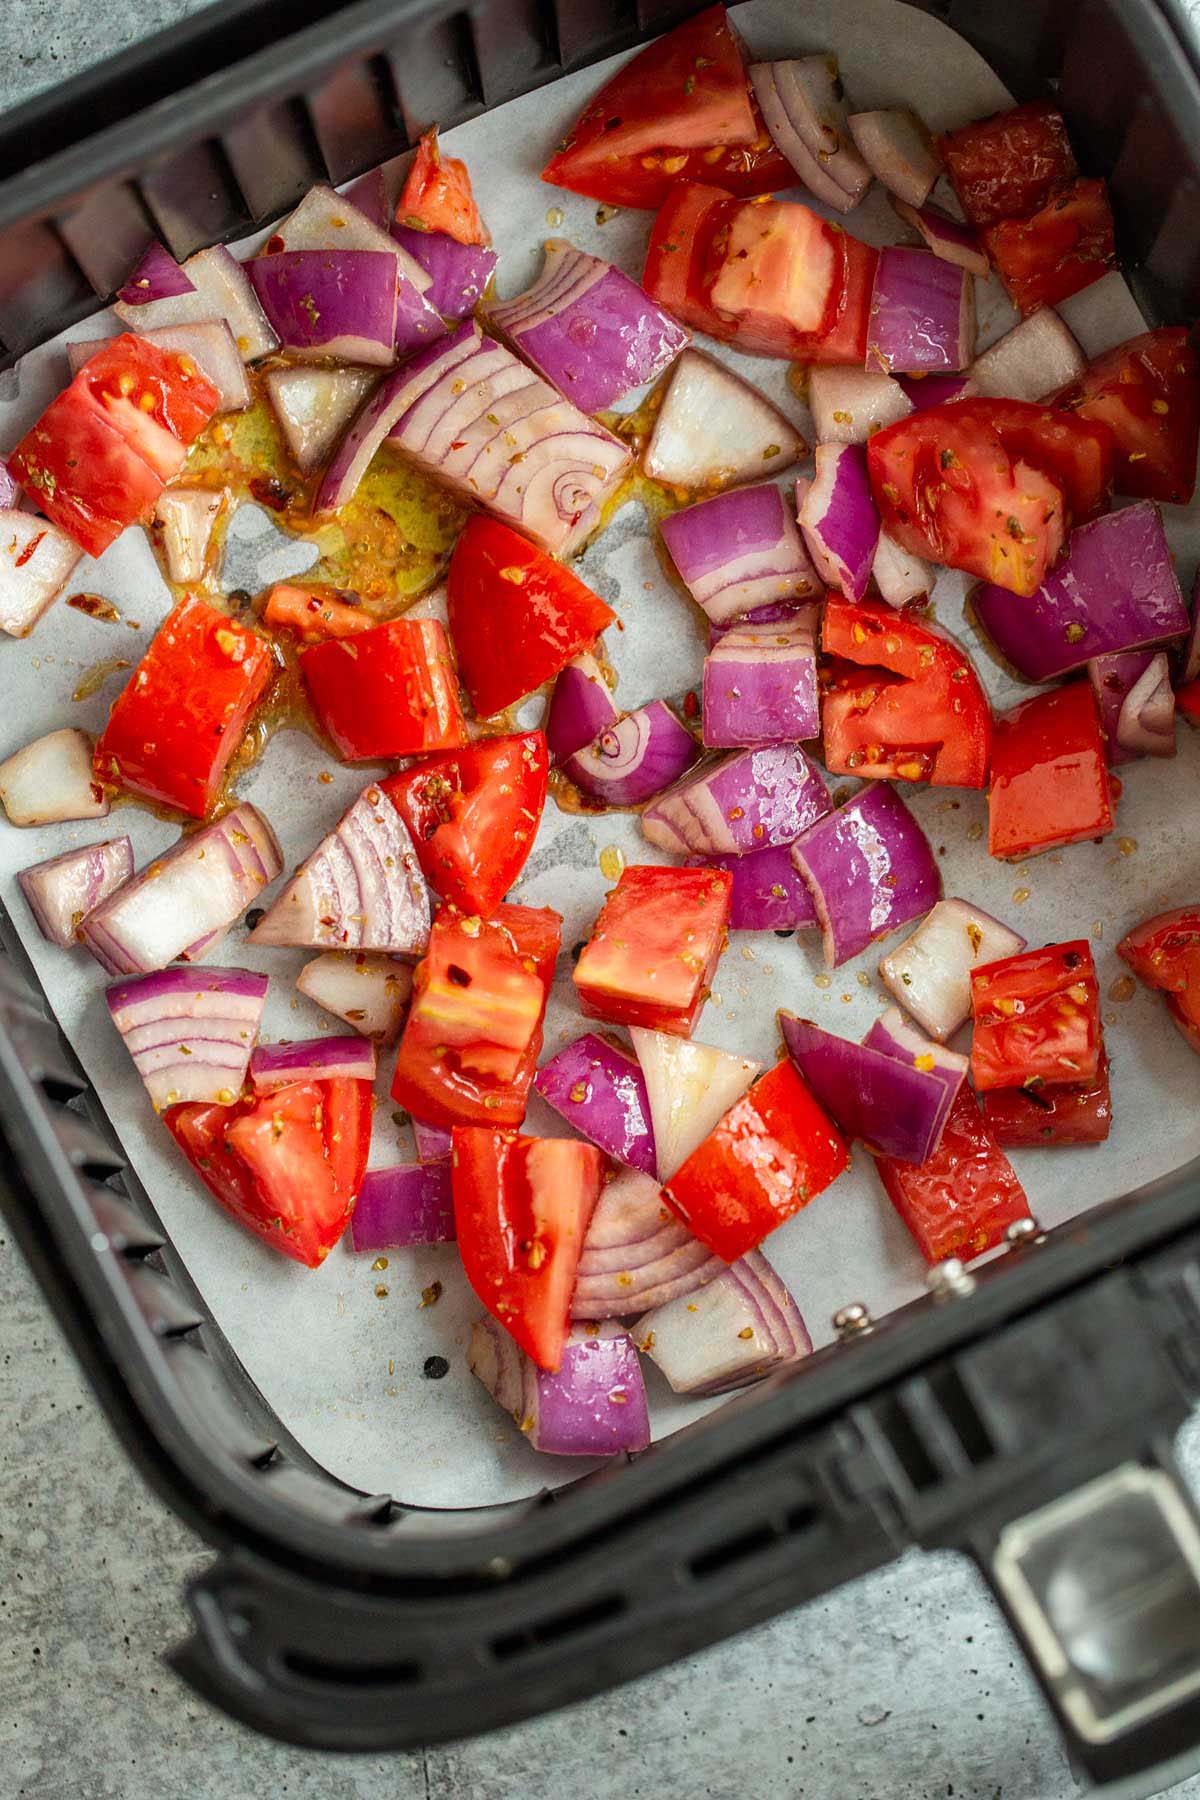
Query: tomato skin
[[1080, 460], [1164, 952], [473, 815], [845, 344], [521, 1211], [314, 614], [780, 271], [389, 691], [1009, 165], [1058, 1113], [678, 254], [178, 721], [159, 400], [962, 1199], [772, 1153], [1147, 392], [517, 617], [1187, 701], [934, 724], [653, 950], [1058, 251], [1037, 1018], [437, 195], [1050, 782]]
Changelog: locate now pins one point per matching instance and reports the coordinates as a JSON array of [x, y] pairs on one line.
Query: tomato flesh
[[437, 196], [1035, 1118], [1147, 392], [772, 1153], [676, 272], [779, 271], [1058, 251], [1164, 952], [1037, 1018], [389, 691], [653, 951], [845, 343], [962, 1199], [314, 614], [1009, 165], [1050, 783]]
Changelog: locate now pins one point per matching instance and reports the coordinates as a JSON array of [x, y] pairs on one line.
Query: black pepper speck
[[435, 1367]]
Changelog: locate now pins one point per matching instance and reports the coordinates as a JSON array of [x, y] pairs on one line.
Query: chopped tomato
[[1037, 1018], [1147, 392], [962, 1199], [521, 1211], [779, 271], [1008, 166], [177, 723], [772, 1153], [845, 344], [390, 691], [474, 1028], [437, 195], [289, 1165], [1061, 249], [652, 952], [1164, 952], [1057, 1112], [473, 814], [516, 615], [159, 400], [314, 614], [676, 273], [1080, 459], [1050, 781], [926, 719]]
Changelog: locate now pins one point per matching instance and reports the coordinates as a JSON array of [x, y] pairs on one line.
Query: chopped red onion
[[849, 405], [323, 303], [890, 1103], [209, 344], [325, 220], [1112, 678], [184, 900], [399, 1207], [768, 894], [52, 780], [780, 613], [948, 238], [892, 1035], [689, 1087], [595, 1405], [579, 709], [1035, 358], [734, 804], [898, 574], [838, 518], [36, 560], [187, 517], [714, 430], [935, 390], [63, 891], [599, 1088], [274, 1066], [360, 889], [636, 758], [637, 1253], [369, 196], [158, 292], [760, 686], [869, 868], [898, 150], [190, 1031], [922, 318], [225, 291], [315, 407], [930, 973], [370, 993], [804, 111], [434, 1143], [458, 273], [735, 1330], [739, 551], [1146, 720]]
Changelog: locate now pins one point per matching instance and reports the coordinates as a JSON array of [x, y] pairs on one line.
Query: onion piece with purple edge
[[325, 303], [898, 150], [370, 993], [768, 893], [52, 780], [637, 1253], [222, 283], [274, 1066], [838, 519], [636, 758], [593, 1405], [935, 390], [804, 111], [714, 430], [190, 1031], [360, 889], [158, 292], [325, 220], [735, 1330], [369, 196], [893, 1106], [760, 686], [599, 1088], [434, 1143], [869, 868], [729, 805], [1146, 718], [187, 517], [588, 328], [398, 1207], [1112, 678], [210, 345], [36, 560], [781, 612], [579, 709], [922, 317], [1036, 358], [183, 900], [10, 489], [948, 238], [689, 1087], [892, 1035], [458, 273], [740, 550], [315, 407], [64, 890], [898, 574], [930, 972], [1115, 588], [849, 405]]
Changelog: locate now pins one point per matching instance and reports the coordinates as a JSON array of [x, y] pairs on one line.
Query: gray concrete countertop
[[903, 1686]]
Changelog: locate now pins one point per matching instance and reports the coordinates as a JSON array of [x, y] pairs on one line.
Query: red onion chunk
[[63, 891], [360, 889], [1114, 589], [36, 560], [314, 408], [1035, 358], [433, 1142], [210, 345], [930, 973], [403, 1206], [190, 1031], [730, 805], [579, 709], [781, 613], [760, 686], [588, 328], [898, 150], [1146, 719], [804, 111], [849, 405], [891, 1105], [52, 780], [935, 390], [689, 1087], [948, 238], [869, 868], [637, 1253], [898, 575], [156, 276], [714, 430], [369, 993], [369, 196], [636, 758], [325, 220], [838, 518], [182, 902], [594, 1405], [186, 517], [768, 894], [739, 551], [325, 303], [1113, 677], [922, 318], [274, 1066], [737, 1329], [225, 292], [892, 1035], [458, 273], [600, 1090]]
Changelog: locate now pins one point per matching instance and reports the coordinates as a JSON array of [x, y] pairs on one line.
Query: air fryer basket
[[1023, 1415]]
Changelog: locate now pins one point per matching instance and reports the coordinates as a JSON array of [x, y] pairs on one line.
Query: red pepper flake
[[691, 706], [29, 550]]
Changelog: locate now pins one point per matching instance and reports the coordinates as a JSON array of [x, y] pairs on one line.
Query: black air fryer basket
[[1023, 1415]]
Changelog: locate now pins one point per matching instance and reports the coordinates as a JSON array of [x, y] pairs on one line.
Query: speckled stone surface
[[905, 1686]]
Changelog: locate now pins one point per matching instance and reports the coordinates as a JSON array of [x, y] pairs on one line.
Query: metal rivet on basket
[[949, 1280], [853, 1321], [1024, 1231]]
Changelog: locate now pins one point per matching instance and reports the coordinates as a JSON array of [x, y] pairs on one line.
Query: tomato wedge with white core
[[690, 1087]]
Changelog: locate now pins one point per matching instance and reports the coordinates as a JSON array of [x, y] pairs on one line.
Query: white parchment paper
[[341, 1362]]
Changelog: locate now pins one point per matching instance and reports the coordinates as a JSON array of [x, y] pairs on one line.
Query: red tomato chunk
[[1037, 1018], [1060, 1112], [653, 951], [1147, 392], [1164, 952], [390, 691], [1060, 250], [962, 1199], [1008, 166], [1050, 780]]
